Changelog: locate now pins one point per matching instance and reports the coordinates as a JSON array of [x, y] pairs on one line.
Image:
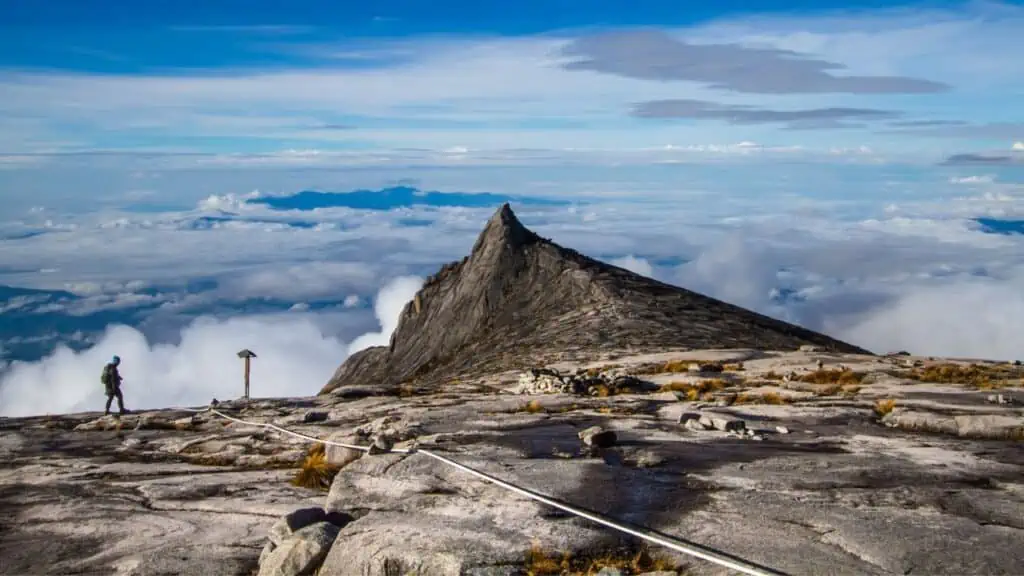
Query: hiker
[[112, 384]]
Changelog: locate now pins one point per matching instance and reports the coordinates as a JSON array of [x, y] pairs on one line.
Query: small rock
[[302, 553], [314, 417], [809, 348], [685, 416], [382, 443], [647, 459], [999, 399], [819, 364], [782, 430], [757, 437], [597, 437], [723, 423], [610, 571], [694, 425]]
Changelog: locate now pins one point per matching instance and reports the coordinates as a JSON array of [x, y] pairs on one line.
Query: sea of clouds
[[899, 262], [294, 358]]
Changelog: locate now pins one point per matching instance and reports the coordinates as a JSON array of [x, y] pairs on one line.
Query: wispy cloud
[[656, 55], [982, 159], [486, 92], [810, 118]]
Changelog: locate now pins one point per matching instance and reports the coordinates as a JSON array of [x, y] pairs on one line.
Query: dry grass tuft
[[316, 473], [678, 366], [695, 390], [533, 407], [833, 377], [883, 407], [977, 375], [407, 389], [772, 398], [539, 563]]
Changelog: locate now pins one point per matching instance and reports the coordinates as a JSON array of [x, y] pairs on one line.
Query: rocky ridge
[[518, 300]]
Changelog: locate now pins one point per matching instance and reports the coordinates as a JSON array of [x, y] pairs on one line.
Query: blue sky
[[923, 80]]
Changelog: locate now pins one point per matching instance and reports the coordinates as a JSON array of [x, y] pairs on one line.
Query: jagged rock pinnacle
[[518, 297], [503, 230]]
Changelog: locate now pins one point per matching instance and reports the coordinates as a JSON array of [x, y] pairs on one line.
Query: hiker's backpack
[[107, 378]]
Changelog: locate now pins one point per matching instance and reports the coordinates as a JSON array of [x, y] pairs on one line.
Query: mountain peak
[[518, 299], [503, 231]]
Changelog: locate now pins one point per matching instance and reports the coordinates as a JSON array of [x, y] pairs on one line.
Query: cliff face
[[518, 295]]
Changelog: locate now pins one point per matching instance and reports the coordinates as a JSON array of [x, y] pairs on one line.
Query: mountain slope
[[518, 295]]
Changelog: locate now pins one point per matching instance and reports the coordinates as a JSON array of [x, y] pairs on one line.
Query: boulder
[[919, 421], [314, 416], [993, 426], [339, 456], [302, 553]]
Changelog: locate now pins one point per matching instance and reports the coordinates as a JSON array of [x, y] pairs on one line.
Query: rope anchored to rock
[[691, 549]]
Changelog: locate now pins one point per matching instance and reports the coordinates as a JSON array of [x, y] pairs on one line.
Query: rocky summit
[[519, 299], [652, 406]]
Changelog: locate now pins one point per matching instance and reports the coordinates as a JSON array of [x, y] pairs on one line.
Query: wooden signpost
[[246, 354]]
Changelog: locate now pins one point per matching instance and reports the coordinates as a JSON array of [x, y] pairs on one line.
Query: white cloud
[[391, 299], [633, 264], [1018, 145], [305, 281], [227, 202], [985, 179], [294, 358], [973, 317]]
